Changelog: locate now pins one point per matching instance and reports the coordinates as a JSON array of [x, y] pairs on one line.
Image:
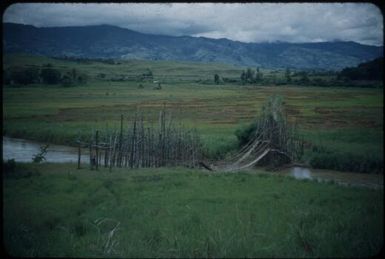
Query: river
[[23, 151]]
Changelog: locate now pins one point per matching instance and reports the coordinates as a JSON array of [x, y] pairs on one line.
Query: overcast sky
[[256, 22]]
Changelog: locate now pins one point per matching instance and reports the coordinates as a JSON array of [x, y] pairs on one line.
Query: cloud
[[254, 22]]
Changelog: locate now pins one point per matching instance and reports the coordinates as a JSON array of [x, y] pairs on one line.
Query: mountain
[[106, 41]]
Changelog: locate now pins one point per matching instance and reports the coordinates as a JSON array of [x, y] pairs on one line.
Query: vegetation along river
[[24, 150]]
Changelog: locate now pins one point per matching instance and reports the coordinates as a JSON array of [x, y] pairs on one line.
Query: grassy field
[[56, 210], [336, 122]]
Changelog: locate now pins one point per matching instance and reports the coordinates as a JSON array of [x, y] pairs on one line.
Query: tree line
[[368, 74], [372, 70], [249, 76], [47, 74]]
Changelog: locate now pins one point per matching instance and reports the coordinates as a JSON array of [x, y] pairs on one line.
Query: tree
[[82, 79], [216, 79], [249, 75], [50, 75], [23, 75], [304, 78], [258, 76], [243, 77], [372, 70], [73, 74], [67, 80], [288, 75], [73, 77]]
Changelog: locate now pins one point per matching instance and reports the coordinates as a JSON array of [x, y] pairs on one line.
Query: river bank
[[23, 151]]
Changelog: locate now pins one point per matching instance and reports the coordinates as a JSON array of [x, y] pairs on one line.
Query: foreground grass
[[56, 210]]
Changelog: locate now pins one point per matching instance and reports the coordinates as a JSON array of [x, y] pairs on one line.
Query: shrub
[[22, 75], [244, 134], [50, 75]]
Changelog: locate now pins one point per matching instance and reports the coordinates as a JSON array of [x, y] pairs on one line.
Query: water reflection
[[343, 178], [301, 173], [24, 150]]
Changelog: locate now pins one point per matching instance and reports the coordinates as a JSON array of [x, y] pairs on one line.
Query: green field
[[55, 210], [339, 124]]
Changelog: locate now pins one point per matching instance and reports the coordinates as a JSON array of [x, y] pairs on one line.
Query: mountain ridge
[[109, 41]]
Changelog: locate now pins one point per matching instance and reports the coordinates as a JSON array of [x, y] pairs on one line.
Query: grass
[[56, 210], [355, 150], [346, 120]]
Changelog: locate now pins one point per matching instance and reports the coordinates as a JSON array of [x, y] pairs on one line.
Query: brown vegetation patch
[[292, 110], [324, 110]]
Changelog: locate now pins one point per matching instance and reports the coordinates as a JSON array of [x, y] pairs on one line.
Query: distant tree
[[372, 70], [82, 79], [73, 74], [23, 75], [74, 77], [249, 75], [243, 77], [67, 80], [216, 78], [304, 78], [49, 75], [288, 75], [258, 76]]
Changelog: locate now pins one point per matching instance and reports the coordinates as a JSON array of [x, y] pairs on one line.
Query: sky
[[254, 22]]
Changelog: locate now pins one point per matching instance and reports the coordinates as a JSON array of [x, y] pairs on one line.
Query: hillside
[[105, 41]]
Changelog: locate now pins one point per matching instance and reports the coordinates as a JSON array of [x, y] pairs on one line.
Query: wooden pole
[[91, 158], [120, 155], [133, 145], [97, 149], [79, 155], [110, 153], [105, 156]]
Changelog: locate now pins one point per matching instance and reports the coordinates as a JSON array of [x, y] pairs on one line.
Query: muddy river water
[[23, 151]]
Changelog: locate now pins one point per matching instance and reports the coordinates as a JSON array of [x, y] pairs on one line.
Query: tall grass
[[56, 210], [327, 159], [355, 150]]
